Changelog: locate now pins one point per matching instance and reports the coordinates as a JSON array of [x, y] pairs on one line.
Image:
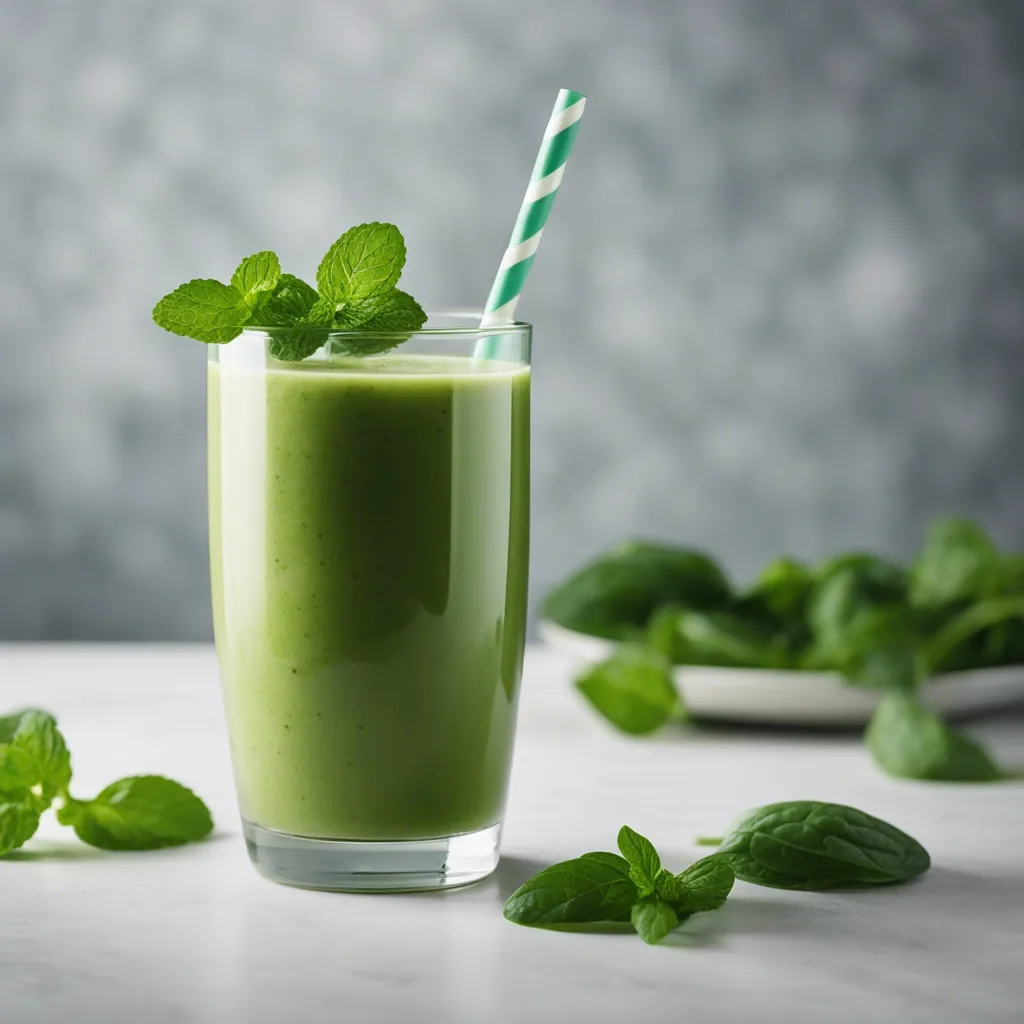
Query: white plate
[[803, 698]]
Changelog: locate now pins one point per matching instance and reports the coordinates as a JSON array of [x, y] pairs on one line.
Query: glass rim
[[511, 327]]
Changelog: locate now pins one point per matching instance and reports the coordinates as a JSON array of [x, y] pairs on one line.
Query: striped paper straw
[[533, 214]]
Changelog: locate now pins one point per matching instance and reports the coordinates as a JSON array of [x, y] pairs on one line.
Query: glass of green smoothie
[[369, 534]]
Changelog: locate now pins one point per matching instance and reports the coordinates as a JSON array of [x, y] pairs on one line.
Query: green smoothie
[[369, 535]]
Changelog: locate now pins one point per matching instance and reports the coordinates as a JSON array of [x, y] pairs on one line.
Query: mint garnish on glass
[[141, 812], [356, 291]]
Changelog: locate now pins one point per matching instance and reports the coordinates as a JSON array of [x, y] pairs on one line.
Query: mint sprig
[[356, 292], [142, 812], [606, 888]]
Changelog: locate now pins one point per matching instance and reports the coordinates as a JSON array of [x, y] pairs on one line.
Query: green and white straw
[[515, 265]]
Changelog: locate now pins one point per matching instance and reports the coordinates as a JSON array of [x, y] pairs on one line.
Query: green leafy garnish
[[606, 888], [633, 689], [356, 292], [143, 812], [804, 844]]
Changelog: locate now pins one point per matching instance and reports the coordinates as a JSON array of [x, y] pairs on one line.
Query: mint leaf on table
[[35, 757], [633, 689], [19, 820], [206, 310], [142, 812], [810, 845], [653, 919], [644, 862], [909, 741], [593, 888], [366, 261], [257, 277], [604, 887]]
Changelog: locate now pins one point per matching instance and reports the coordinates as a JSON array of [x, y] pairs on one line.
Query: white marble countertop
[[194, 935]]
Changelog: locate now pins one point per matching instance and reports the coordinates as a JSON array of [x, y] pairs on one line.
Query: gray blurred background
[[779, 304]]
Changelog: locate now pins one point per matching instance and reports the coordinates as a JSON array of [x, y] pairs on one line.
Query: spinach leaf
[[624, 586], [594, 887], [783, 588], [718, 638], [847, 588], [957, 563], [882, 649], [910, 742], [810, 845], [633, 689]]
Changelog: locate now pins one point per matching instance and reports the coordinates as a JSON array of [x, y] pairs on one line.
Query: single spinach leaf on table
[[812, 845], [622, 587], [909, 741], [633, 689]]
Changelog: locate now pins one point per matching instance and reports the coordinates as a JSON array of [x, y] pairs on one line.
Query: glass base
[[364, 866]]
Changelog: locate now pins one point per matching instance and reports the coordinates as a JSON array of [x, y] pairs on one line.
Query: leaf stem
[[709, 840]]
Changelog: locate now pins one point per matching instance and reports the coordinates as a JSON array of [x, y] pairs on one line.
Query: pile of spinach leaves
[[959, 605]]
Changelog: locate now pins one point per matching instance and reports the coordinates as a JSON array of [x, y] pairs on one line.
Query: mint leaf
[[290, 302], [393, 318], [205, 310], [257, 277], [594, 887], [704, 885], [909, 741], [653, 920], [142, 812], [19, 820], [9, 724], [633, 689], [309, 334], [643, 859], [366, 260], [35, 756]]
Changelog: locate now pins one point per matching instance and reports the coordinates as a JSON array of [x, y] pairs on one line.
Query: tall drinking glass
[[369, 535]]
